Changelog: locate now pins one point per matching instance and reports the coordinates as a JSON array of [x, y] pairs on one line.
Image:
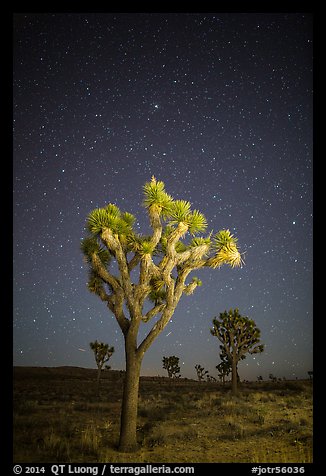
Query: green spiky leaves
[[197, 281], [200, 241], [142, 245], [110, 217], [128, 219], [192, 286], [225, 245], [157, 296], [166, 251], [180, 212], [156, 198], [197, 222], [95, 284], [224, 238], [146, 248], [90, 245], [176, 211]]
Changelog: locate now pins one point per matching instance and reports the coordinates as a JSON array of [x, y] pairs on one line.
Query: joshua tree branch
[[104, 274], [113, 244], [153, 312]]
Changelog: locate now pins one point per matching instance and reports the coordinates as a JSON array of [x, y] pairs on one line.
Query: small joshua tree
[[171, 365], [201, 372], [102, 353], [272, 377], [224, 367], [210, 378], [239, 336]]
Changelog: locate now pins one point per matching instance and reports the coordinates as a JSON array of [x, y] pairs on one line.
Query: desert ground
[[58, 417]]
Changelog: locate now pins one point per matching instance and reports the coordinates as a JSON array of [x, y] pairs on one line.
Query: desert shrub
[[57, 447], [298, 453], [258, 417], [160, 436], [154, 412], [303, 422], [199, 403], [235, 430], [217, 402], [186, 434], [178, 398], [143, 412], [233, 407], [157, 437], [26, 406], [90, 440], [82, 407], [268, 397], [303, 439], [293, 402]]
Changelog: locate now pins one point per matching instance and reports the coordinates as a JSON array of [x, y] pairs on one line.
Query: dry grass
[[59, 418]]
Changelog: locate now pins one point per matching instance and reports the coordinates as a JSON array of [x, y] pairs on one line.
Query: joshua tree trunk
[[234, 377], [128, 424], [98, 380]]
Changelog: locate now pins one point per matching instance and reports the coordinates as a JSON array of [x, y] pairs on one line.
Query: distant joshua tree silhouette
[[210, 378], [239, 336], [102, 353], [201, 372], [224, 367], [171, 364], [272, 377]]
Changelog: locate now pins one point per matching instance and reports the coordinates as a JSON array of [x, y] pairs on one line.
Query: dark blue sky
[[219, 107]]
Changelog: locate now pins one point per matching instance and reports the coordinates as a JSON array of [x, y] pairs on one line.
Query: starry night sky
[[219, 107]]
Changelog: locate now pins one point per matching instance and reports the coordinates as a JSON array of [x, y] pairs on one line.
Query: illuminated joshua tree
[[151, 268], [239, 336]]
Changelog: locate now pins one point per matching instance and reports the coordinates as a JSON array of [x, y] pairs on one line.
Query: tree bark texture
[[234, 377], [129, 410]]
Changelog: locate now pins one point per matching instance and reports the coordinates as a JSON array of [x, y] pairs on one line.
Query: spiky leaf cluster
[[110, 217], [102, 352], [226, 251], [95, 284], [157, 294], [180, 212], [156, 198], [90, 245]]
